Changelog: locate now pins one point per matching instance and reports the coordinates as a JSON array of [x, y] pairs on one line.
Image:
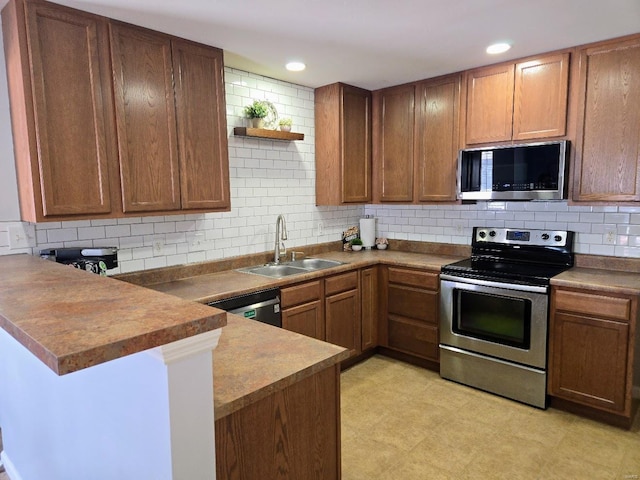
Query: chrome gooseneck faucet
[[280, 236]]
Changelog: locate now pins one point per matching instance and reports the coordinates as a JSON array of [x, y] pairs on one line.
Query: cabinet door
[[589, 361], [356, 145], [202, 126], [306, 319], [343, 144], [438, 140], [395, 147], [369, 305], [342, 319], [71, 110], [145, 119], [607, 160], [489, 104], [540, 97]]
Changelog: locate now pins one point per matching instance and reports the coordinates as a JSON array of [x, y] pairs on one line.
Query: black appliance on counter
[[97, 260], [494, 310]]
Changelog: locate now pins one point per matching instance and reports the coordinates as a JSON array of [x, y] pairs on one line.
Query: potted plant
[[285, 124], [356, 244], [256, 112]]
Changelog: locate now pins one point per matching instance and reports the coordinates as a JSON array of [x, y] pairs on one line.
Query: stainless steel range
[[494, 311]]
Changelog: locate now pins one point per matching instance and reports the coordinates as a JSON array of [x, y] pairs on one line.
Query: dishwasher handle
[[256, 306]]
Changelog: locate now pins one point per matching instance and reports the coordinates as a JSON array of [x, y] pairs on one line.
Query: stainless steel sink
[[275, 271], [286, 269], [314, 263]]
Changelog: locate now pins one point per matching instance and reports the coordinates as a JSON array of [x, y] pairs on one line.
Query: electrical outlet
[[22, 236], [320, 229], [610, 237], [158, 247]]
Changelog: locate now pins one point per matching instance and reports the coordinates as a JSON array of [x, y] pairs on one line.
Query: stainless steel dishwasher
[[262, 306]]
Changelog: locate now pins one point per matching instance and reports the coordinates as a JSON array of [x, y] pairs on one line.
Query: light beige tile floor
[[404, 422]]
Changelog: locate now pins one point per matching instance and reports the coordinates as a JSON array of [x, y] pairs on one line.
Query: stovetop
[[503, 271], [527, 257]]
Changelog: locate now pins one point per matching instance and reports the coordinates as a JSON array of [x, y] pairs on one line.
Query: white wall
[[9, 207]]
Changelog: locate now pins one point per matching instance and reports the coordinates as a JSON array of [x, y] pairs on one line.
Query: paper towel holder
[[368, 232]]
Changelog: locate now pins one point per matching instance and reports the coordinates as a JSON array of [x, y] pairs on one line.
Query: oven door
[[504, 321]]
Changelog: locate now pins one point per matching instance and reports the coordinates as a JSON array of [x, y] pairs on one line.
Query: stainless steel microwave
[[532, 171]]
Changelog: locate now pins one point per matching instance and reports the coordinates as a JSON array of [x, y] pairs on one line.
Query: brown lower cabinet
[[291, 434], [341, 309], [592, 349], [411, 300], [369, 308], [302, 309]]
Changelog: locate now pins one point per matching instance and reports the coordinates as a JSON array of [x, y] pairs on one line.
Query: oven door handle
[[488, 283]]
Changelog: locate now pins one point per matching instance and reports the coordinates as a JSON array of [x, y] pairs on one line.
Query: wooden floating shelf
[[264, 133]]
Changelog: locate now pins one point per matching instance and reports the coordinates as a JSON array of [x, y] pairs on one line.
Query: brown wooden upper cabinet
[[519, 101], [169, 143], [607, 147], [343, 144], [416, 141], [145, 119], [61, 110], [161, 150], [394, 147], [438, 139]]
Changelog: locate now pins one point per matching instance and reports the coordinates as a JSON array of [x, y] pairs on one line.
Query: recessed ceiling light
[[498, 48], [295, 66]]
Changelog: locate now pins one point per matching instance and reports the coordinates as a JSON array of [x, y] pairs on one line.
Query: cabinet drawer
[[341, 283], [413, 303], [298, 294], [414, 278], [413, 337], [617, 308]]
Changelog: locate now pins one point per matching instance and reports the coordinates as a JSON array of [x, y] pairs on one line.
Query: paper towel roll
[[368, 232]]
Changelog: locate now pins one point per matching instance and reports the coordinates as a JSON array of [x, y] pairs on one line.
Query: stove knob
[[558, 238], [492, 233], [482, 234], [545, 236]]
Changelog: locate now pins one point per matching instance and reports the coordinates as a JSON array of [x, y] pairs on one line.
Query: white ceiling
[[374, 43]]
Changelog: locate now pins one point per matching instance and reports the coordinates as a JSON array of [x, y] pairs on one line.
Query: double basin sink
[[294, 267]]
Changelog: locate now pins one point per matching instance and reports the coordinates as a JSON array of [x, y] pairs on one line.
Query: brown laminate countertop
[[254, 360], [72, 319], [610, 281], [228, 283]]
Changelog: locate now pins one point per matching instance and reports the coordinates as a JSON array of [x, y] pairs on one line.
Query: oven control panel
[[511, 236]]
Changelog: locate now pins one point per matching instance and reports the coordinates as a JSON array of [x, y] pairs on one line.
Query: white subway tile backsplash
[[118, 231], [91, 233], [62, 235], [270, 177], [164, 227], [102, 222]]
